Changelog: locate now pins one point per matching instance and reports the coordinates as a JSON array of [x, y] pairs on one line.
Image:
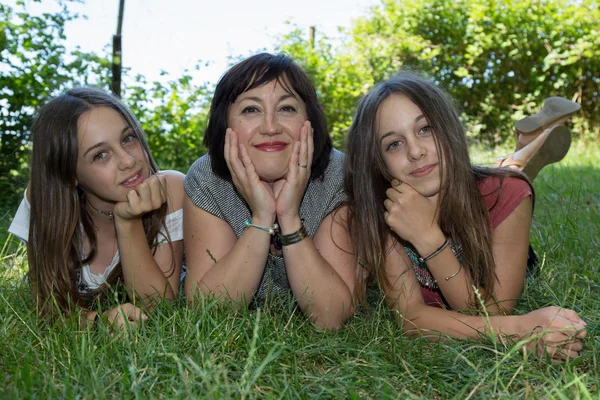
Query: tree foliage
[[340, 78], [173, 116], [499, 58], [35, 67]]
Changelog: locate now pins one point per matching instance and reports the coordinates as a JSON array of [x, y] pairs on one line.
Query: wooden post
[[117, 56]]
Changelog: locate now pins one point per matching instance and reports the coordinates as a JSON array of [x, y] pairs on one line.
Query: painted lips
[[271, 146], [134, 180], [424, 171]]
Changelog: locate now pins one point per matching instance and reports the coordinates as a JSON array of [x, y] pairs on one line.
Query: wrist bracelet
[[458, 255], [294, 237], [435, 253], [454, 274], [271, 231]]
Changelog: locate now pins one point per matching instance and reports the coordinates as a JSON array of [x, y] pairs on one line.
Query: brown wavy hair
[[59, 219], [463, 215]]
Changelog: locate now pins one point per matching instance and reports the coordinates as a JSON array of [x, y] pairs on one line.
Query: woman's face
[[111, 160], [407, 144], [268, 120]]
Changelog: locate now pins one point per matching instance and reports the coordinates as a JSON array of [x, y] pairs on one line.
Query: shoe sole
[[554, 108], [555, 148]]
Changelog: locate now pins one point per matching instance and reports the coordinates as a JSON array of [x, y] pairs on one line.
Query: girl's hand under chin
[[148, 196], [289, 191], [410, 215]]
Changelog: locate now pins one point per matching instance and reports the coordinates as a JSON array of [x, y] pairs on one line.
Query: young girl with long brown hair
[[431, 227], [97, 211]]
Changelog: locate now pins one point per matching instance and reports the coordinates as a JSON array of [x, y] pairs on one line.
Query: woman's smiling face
[[268, 120], [407, 144]]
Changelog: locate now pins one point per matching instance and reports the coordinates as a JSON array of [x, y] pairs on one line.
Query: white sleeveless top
[[90, 281]]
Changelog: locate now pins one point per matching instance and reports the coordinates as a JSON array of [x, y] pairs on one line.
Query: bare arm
[[218, 262], [510, 241], [148, 275], [563, 329], [323, 272], [413, 218]]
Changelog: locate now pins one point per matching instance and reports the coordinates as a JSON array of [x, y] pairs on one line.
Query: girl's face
[[407, 144], [111, 160], [268, 120]]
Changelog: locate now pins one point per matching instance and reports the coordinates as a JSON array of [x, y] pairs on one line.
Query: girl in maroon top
[[437, 233]]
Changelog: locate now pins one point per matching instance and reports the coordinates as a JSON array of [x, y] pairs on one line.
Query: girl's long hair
[[60, 220], [463, 215]]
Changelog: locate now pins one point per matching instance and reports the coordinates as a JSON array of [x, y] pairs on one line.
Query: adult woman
[[100, 212], [259, 211], [430, 226]]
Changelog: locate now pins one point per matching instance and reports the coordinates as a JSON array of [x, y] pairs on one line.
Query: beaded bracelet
[[271, 231], [294, 237]]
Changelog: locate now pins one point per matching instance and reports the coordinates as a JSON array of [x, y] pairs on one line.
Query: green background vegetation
[[499, 59]]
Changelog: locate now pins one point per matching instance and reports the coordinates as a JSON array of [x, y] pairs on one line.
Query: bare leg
[[548, 147]]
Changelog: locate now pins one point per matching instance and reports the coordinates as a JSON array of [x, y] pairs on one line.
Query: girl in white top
[[97, 212]]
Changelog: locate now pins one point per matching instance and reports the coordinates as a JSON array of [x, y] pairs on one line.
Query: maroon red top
[[501, 202]]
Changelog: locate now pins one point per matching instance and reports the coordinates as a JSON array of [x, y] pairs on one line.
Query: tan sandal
[[554, 110], [551, 146]]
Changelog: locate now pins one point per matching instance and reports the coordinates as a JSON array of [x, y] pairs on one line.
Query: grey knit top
[[220, 198]]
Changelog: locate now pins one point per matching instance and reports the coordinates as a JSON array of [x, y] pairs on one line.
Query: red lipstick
[[271, 146]]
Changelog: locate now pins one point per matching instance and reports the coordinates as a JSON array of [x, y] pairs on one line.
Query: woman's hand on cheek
[[145, 197], [409, 214], [289, 190], [257, 193]]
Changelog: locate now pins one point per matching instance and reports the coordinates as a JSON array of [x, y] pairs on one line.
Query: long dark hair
[[60, 220], [463, 215]]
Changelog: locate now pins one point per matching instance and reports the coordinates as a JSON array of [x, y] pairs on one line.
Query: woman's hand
[[257, 193], [145, 197], [412, 216], [289, 191], [559, 332]]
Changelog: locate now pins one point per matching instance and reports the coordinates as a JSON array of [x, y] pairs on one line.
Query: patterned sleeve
[[197, 182], [337, 181]]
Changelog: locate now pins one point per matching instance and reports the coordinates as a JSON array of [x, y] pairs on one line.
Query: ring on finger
[[303, 166]]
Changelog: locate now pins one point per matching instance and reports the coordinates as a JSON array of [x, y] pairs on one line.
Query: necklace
[[109, 214]]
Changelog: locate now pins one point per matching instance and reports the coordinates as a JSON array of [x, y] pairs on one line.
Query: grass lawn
[[213, 351]]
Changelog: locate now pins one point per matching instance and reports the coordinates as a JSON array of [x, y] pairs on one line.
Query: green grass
[[215, 352]]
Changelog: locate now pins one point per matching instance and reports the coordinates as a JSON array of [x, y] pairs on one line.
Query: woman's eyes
[[288, 108], [249, 110], [254, 109]]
